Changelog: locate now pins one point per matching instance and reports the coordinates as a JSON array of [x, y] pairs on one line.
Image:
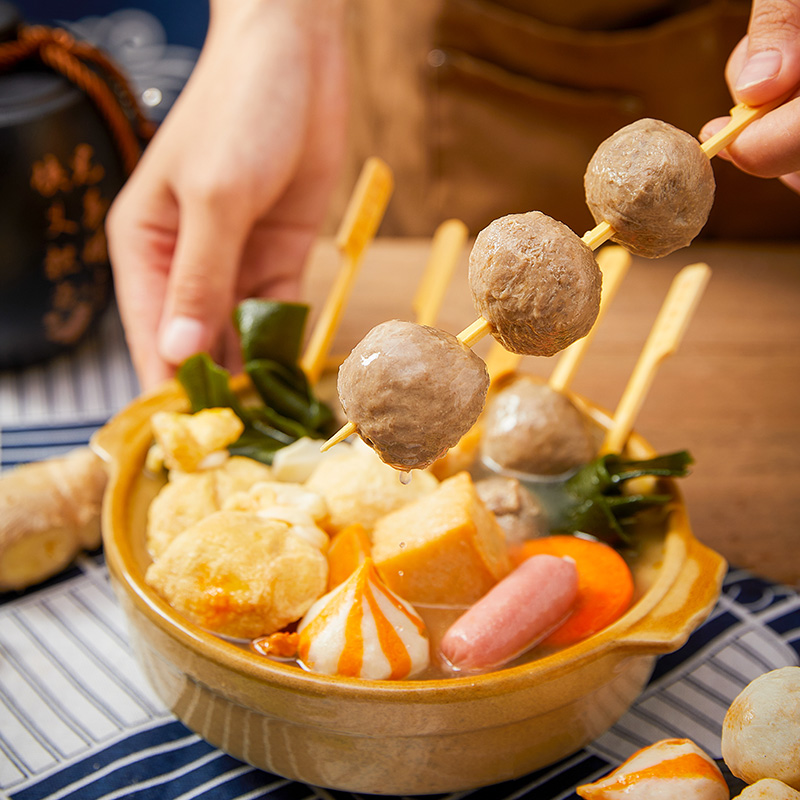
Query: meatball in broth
[[531, 428], [412, 392], [535, 282]]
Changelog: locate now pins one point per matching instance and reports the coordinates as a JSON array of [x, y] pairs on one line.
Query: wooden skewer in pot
[[359, 225], [447, 245], [668, 329], [741, 116]]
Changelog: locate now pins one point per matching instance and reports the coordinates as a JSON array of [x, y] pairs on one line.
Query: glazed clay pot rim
[[622, 635]]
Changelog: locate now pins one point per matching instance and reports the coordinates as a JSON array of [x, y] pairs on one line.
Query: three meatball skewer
[[514, 311]]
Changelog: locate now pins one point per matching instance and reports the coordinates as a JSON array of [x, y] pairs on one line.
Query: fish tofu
[[192, 496]]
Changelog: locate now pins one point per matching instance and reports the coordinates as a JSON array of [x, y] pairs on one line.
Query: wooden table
[[730, 395]]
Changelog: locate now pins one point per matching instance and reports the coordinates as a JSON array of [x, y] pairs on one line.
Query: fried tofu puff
[[304, 510], [665, 770], [187, 440], [359, 488], [240, 576], [188, 497]]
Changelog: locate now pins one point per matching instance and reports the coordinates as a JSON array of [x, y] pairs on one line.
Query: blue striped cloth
[[78, 720]]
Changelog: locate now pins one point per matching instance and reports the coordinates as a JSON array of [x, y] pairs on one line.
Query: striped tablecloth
[[78, 720]]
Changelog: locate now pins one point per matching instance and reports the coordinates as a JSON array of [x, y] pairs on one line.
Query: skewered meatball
[[412, 392], [653, 184], [535, 282], [534, 429]]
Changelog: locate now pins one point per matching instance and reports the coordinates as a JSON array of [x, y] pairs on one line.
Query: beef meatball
[[533, 429], [653, 184], [519, 513], [412, 392], [535, 282]]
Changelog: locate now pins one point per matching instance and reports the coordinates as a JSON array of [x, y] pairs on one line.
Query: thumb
[[771, 64], [201, 284]]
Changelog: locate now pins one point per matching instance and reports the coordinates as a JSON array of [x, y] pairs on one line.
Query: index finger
[[140, 254]]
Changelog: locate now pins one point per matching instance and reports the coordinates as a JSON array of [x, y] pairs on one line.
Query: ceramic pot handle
[[690, 591], [118, 435]]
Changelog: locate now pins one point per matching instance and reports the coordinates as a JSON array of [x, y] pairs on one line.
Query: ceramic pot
[[394, 737]]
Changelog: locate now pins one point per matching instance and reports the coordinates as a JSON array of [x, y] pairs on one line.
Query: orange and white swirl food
[[666, 770], [362, 629]]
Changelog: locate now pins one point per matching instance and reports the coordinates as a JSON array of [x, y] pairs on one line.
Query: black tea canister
[[67, 144]]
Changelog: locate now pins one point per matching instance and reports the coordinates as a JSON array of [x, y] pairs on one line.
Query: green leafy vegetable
[[207, 384], [271, 330], [593, 500], [271, 334]]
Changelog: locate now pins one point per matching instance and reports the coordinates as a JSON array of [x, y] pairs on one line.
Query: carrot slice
[[347, 551], [605, 584]]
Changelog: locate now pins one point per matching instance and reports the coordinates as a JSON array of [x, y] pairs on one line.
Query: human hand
[[229, 195], [765, 66]]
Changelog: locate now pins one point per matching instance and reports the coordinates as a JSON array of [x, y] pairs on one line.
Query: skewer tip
[[340, 435]]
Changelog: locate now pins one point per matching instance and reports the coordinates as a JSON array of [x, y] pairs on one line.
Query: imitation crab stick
[[605, 584], [665, 770], [514, 615]]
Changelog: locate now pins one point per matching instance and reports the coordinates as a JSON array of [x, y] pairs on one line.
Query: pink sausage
[[514, 615]]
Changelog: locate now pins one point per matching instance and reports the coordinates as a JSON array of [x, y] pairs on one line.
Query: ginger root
[[49, 512]]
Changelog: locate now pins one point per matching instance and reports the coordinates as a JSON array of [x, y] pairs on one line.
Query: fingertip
[[151, 371], [182, 337], [711, 128], [792, 181], [760, 70]]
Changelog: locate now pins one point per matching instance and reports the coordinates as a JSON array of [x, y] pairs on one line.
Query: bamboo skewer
[[665, 336], [358, 228], [448, 243], [741, 116], [614, 263]]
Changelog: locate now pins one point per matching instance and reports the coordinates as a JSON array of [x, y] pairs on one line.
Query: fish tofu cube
[[445, 547]]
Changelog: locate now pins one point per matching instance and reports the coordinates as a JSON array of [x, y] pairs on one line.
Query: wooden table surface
[[730, 395]]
